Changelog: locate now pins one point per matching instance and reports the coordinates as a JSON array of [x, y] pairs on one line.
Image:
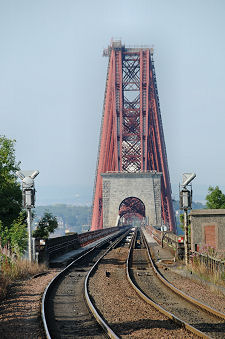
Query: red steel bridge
[[131, 137]]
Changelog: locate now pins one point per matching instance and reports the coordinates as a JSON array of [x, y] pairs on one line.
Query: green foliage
[[10, 191], [15, 236], [4, 235], [47, 224], [13, 229], [215, 198], [182, 221], [18, 234]]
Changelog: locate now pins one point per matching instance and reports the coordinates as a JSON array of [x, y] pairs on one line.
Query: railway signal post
[[185, 205], [28, 190]]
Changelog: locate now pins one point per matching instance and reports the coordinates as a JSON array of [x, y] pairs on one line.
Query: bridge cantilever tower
[[131, 138]]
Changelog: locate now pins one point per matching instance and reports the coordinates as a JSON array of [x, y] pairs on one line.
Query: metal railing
[[212, 264]]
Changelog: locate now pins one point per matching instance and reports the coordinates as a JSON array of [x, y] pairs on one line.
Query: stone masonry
[[145, 186]]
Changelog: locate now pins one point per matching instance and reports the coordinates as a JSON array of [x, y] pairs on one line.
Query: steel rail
[[91, 306], [151, 302], [52, 283], [179, 292]]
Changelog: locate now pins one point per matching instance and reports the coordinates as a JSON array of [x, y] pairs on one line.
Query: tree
[[215, 198], [13, 226], [18, 234], [47, 224], [10, 191]]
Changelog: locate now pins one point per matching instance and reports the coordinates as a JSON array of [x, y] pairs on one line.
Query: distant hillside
[[69, 217], [195, 205]]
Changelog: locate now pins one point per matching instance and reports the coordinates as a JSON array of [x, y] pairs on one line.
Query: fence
[[213, 265]]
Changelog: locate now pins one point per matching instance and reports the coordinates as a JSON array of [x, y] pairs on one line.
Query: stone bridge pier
[[145, 186]]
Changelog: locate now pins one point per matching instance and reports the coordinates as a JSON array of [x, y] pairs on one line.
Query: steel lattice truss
[[131, 138]]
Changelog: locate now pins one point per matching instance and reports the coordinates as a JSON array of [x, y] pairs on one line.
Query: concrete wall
[[208, 228], [119, 186]]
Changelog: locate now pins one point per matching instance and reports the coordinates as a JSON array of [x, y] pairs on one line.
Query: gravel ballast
[[20, 311], [127, 314]]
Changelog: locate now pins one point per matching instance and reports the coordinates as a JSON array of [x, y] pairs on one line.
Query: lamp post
[[185, 205], [28, 190]]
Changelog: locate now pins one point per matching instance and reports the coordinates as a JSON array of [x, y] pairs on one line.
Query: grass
[[14, 269], [215, 277]]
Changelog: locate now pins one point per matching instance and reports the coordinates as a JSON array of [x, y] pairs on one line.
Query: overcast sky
[[52, 81]]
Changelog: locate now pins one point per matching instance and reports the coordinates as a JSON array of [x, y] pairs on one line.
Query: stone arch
[[132, 205], [131, 211]]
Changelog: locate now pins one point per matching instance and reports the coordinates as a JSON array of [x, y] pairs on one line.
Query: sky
[[52, 82]]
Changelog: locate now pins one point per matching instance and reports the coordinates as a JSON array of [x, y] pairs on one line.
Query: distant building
[[208, 229], [60, 222]]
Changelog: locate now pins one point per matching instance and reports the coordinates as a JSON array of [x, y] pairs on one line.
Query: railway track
[[154, 289], [70, 308], [65, 313]]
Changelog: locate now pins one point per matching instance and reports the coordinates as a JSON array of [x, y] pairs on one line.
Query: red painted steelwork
[[131, 138], [132, 206]]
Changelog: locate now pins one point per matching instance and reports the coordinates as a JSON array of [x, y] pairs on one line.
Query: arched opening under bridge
[[117, 187], [131, 212]]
